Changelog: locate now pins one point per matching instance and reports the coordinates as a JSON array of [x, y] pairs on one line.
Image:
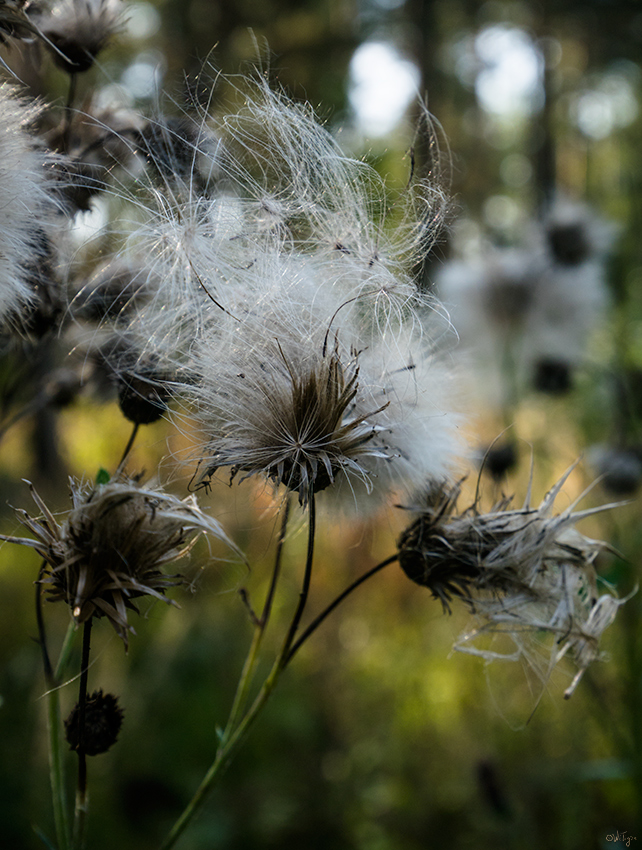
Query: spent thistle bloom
[[286, 390], [112, 546], [283, 286], [522, 572], [525, 315]]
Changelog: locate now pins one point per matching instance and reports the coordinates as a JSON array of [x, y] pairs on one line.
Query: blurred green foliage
[[378, 738]]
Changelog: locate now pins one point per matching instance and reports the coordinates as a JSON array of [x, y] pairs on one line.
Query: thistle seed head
[[103, 719], [26, 208], [522, 572], [112, 547], [300, 425]]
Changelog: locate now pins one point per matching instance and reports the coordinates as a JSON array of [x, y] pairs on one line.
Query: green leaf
[[102, 476]]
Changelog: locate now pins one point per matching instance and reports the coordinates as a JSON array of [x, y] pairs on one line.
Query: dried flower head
[[103, 719], [523, 573], [112, 547], [300, 425], [524, 318], [574, 233], [78, 30], [286, 390]]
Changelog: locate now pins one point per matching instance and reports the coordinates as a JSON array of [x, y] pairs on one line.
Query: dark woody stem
[[307, 577], [267, 607], [42, 637], [81, 791]]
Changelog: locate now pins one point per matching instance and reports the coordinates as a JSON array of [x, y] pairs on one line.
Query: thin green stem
[[307, 577], [247, 674], [229, 745], [65, 652], [327, 611], [54, 729], [80, 818]]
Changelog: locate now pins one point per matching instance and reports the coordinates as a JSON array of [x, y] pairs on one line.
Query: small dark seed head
[[142, 399], [552, 376], [499, 459], [568, 243], [103, 719]]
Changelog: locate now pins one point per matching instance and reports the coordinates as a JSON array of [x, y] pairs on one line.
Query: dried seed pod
[[103, 719], [112, 547], [143, 397], [524, 573]]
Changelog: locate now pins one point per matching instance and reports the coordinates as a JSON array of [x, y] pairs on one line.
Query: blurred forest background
[[379, 738]]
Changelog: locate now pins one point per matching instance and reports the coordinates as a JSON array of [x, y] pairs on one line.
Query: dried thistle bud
[[499, 459], [143, 397], [78, 30], [446, 553], [552, 376], [103, 719], [619, 468], [112, 547], [568, 242], [523, 573]]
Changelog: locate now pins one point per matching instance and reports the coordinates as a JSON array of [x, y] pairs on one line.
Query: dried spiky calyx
[[446, 554], [103, 719], [304, 434], [112, 547], [521, 572]]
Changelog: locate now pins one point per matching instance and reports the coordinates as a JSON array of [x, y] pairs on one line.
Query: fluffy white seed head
[[519, 312], [26, 206], [269, 180]]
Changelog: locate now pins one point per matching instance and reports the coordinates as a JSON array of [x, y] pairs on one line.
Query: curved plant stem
[[54, 724], [80, 818], [326, 611], [128, 448], [233, 736], [236, 731], [260, 626]]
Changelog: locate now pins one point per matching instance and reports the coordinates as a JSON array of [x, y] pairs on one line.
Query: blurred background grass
[[379, 738]]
